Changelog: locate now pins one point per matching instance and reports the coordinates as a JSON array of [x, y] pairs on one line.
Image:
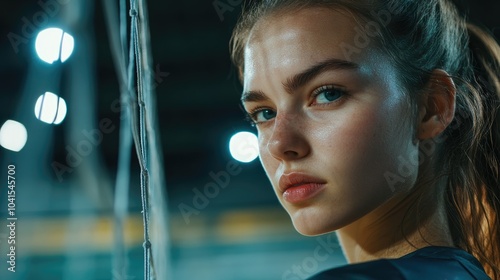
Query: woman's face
[[331, 116]]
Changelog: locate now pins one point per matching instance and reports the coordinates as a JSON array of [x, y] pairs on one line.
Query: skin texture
[[350, 142]]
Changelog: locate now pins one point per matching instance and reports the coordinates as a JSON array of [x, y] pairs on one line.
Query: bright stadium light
[[53, 44], [50, 108], [244, 146], [13, 136]]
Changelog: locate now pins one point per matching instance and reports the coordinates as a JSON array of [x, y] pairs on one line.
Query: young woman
[[379, 119]]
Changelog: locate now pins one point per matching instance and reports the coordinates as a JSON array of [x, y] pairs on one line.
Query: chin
[[309, 224]]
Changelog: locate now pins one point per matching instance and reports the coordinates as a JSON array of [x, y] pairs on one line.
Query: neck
[[403, 224]]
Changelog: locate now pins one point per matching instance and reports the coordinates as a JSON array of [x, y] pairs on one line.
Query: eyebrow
[[300, 79]]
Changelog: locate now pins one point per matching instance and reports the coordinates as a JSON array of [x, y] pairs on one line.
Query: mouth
[[298, 187]]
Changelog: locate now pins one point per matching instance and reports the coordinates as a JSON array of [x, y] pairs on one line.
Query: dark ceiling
[[197, 91]]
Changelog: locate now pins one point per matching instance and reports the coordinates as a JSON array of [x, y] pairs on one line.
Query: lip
[[297, 187]]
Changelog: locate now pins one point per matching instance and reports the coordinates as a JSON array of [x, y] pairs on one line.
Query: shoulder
[[427, 263]]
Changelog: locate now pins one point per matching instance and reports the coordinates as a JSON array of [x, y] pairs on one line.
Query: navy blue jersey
[[427, 263]]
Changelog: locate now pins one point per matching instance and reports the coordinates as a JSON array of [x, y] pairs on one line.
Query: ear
[[437, 105]]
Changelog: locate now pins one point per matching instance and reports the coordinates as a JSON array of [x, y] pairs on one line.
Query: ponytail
[[473, 195], [485, 53]]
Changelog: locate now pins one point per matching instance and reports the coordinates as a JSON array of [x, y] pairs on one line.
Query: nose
[[288, 139]]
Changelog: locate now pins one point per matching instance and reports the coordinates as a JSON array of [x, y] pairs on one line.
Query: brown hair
[[421, 36]]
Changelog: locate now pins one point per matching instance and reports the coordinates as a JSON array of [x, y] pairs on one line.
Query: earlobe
[[437, 105]]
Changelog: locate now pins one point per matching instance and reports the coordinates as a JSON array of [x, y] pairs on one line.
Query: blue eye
[[327, 94], [262, 115]]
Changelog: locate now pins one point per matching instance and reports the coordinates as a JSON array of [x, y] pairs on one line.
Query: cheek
[[269, 163], [364, 146]]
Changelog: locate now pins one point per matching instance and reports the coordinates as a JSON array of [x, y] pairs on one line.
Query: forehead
[[297, 39]]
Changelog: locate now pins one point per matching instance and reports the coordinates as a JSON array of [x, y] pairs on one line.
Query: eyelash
[[251, 116], [322, 89]]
